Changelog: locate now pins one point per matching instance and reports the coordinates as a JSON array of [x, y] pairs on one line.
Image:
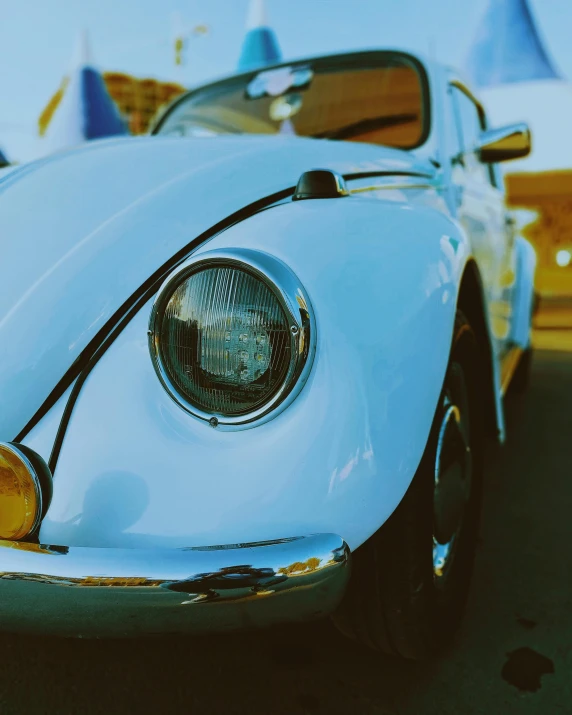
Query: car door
[[479, 197]]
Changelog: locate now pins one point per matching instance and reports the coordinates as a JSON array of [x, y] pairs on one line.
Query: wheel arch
[[472, 302]]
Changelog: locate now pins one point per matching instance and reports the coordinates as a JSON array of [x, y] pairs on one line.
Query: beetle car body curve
[[234, 366]]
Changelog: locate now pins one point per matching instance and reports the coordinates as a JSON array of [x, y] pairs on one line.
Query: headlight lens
[[226, 339], [20, 493]]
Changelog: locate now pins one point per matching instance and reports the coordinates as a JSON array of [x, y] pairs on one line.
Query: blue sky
[[135, 36]]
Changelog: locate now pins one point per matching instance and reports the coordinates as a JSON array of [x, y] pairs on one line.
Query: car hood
[[82, 230]]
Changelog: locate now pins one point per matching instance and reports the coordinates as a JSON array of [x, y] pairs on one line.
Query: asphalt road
[[521, 604]]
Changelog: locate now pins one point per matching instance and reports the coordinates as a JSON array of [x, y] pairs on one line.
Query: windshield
[[378, 98]]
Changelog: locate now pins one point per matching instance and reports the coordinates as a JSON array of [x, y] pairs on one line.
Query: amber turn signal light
[[25, 491]]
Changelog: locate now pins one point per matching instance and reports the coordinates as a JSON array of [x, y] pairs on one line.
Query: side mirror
[[510, 142]]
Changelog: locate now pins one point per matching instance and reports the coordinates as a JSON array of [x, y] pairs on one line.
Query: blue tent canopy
[[508, 47], [260, 48], [100, 115], [86, 110]]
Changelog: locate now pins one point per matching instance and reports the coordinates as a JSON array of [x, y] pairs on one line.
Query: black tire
[[394, 602], [521, 378]]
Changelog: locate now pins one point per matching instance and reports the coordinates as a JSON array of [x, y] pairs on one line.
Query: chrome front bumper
[[78, 591]]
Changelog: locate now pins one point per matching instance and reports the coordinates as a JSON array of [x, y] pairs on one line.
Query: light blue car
[[249, 364]]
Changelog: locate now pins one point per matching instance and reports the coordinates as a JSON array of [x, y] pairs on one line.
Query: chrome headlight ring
[[294, 302]]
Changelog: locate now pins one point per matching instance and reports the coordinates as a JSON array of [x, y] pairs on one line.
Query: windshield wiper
[[367, 125]]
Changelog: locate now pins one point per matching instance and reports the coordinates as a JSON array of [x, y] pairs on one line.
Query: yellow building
[[519, 81], [550, 194], [138, 100]]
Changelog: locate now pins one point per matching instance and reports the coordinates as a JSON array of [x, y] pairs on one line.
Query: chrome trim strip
[[508, 367], [81, 591], [391, 174], [293, 299], [451, 487], [385, 187]]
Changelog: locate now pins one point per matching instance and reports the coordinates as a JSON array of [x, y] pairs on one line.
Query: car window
[[380, 100], [470, 126]]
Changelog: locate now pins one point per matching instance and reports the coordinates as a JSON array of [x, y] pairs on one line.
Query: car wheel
[[411, 578], [521, 378]]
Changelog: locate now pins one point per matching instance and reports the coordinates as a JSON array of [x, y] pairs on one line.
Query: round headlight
[[230, 338], [23, 479]]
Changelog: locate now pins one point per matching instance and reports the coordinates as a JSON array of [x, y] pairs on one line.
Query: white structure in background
[[260, 47], [86, 110], [518, 82]]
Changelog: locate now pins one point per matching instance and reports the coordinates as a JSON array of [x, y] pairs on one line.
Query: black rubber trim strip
[[82, 377], [99, 344], [121, 316]]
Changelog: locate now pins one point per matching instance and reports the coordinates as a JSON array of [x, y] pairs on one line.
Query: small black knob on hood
[[320, 184]]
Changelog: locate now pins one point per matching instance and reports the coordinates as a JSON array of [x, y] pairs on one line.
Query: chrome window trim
[[293, 299]]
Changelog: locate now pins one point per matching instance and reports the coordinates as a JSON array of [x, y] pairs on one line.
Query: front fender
[[383, 278]]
